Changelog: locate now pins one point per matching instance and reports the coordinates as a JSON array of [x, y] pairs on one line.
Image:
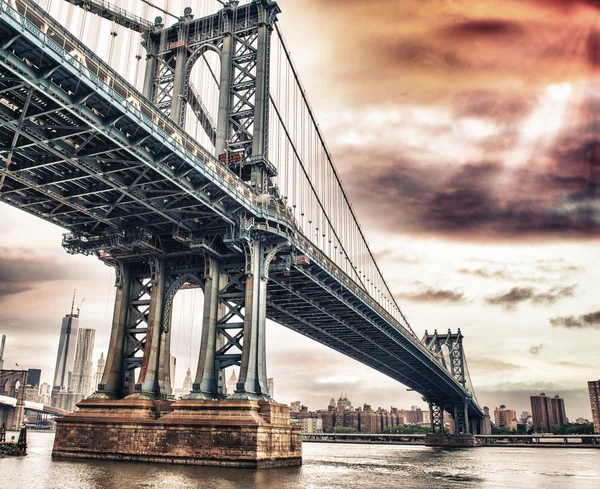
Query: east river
[[343, 466]]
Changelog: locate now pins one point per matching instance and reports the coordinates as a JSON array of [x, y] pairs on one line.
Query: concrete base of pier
[[450, 441], [231, 433]]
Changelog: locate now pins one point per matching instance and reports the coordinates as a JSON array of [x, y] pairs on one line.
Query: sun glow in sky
[[466, 135]]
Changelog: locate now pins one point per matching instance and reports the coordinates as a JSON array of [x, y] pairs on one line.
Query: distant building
[[84, 363], [343, 403], [172, 371], [594, 389], [295, 406], [525, 418], [547, 412], [412, 416], [34, 376], [505, 418], [187, 386], [65, 357], [271, 386], [99, 371], [232, 382], [45, 393], [66, 400], [2, 343], [310, 425]]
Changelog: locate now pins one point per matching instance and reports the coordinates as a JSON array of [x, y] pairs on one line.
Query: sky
[[466, 136]]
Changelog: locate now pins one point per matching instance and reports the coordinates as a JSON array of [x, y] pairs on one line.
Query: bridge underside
[[81, 148]]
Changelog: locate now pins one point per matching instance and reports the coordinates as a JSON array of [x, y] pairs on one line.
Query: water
[[326, 466]]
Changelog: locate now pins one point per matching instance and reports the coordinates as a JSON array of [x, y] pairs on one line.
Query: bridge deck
[[83, 149]]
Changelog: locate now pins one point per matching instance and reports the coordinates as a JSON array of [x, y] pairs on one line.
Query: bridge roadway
[[83, 149], [37, 407]]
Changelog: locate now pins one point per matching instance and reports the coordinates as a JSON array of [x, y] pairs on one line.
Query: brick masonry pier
[[231, 433], [450, 440]]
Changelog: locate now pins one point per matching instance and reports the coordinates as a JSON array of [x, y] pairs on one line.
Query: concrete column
[[206, 384], [467, 425], [252, 383], [223, 132], [147, 384], [112, 378]]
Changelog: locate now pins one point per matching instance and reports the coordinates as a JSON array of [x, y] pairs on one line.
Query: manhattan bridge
[[206, 169]]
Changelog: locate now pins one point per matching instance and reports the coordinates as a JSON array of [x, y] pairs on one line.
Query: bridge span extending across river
[[251, 209]]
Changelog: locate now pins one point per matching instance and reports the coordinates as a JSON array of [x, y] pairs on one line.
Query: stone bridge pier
[[451, 425], [132, 415]]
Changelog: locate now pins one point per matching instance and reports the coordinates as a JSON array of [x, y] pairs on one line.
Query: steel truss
[[138, 192]]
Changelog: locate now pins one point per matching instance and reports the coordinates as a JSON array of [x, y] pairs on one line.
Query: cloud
[[489, 364], [486, 28], [517, 295], [536, 349], [21, 270], [574, 365], [585, 321], [428, 294]]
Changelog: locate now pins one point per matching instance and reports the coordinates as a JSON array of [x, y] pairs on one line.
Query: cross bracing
[[82, 148]]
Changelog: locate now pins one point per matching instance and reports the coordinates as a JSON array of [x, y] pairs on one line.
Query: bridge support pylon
[[133, 416], [457, 432]]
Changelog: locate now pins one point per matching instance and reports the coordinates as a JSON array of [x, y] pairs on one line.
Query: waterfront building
[[295, 406], [84, 362], [594, 390], [99, 371], [505, 418], [2, 343], [311, 425], [65, 357], [412, 416], [547, 412]]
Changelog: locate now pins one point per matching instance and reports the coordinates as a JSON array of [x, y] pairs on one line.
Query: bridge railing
[[108, 81]]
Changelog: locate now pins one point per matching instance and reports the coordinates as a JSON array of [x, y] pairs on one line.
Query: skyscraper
[[594, 388], [99, 371], [2, 342], [547, 411], [65, 358], [84, 362], [33, 377]]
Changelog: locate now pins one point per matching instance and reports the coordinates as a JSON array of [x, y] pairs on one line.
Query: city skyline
[[451, 195]]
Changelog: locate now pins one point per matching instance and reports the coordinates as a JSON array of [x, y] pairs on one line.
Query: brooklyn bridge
[[250, 208]]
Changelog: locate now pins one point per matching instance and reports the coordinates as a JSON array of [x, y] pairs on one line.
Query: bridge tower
[[448, 348], [136, 377], [146, 288]]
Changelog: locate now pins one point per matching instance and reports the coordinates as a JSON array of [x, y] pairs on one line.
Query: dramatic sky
[[465, 132]]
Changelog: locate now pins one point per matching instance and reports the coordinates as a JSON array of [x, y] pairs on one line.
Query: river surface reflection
[[325, 466]]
